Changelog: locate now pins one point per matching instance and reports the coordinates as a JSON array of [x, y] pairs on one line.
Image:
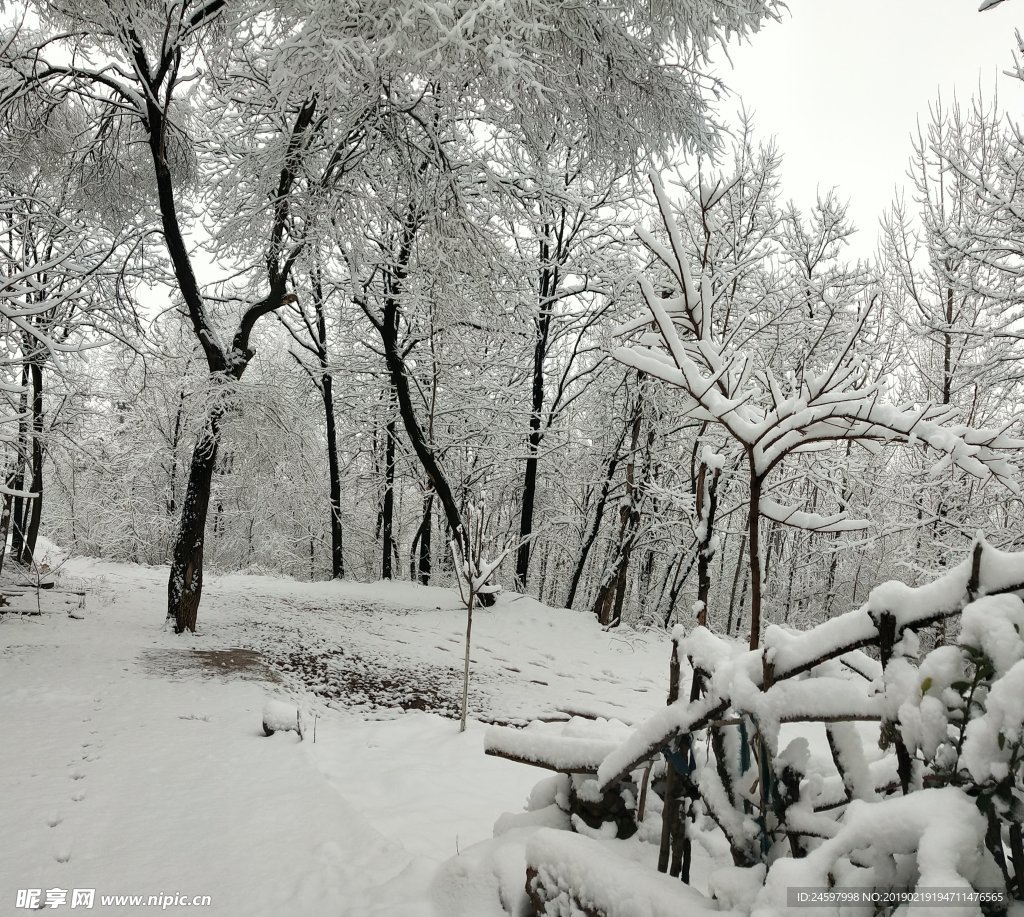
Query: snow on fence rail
[[546, 749], [568, 873]]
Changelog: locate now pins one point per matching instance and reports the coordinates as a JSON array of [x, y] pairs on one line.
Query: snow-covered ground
[[134, 762]]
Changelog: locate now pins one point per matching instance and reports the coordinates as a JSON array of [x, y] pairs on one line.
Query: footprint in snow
[[62, 856], [54, 820], [77, 775], [78, 797]]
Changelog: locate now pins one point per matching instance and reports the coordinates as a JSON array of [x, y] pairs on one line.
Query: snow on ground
[[134, 762]]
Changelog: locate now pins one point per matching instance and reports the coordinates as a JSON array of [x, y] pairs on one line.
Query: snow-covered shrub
[[959, 713], [843, 756]]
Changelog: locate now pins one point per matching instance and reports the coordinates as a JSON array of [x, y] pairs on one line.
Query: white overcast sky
[[842, 84]]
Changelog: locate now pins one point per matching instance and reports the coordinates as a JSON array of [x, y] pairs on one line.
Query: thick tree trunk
[[423, 567], [547, 285], [388, 508], [754, 546], [36, 508], [334, 472], [330, 430], [185, 586], [159, 77], [529, 497], [18, 504]]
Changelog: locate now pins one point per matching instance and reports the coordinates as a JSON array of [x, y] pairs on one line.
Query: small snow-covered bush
[[841, 756], [959, 714]]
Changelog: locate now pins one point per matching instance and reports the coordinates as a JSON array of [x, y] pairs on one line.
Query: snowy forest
[[401, 400]]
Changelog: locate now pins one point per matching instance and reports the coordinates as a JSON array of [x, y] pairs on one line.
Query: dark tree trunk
[[326, 385], [529, 496], [423, 569], [611, 596], [334, 471], [398, 373], [707, 507], [172, 498], [185, 586], [591, 537], [735, 584], [35, 513], [18, 505], [678, 581], [754, 547], [388, 507], [18, 520], [185, 583], [547, 285]]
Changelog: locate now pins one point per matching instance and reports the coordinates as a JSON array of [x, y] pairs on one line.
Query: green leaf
[[1001, 741], [925, 685]]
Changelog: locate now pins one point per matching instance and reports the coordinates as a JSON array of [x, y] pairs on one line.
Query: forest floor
[[134, 761]]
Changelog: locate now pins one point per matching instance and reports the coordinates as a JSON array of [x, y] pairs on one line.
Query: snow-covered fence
[[569, 874], [575, 749], [951, 732]]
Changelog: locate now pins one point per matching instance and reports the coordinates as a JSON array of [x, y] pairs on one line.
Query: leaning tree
[[247, 124], [183, 100]]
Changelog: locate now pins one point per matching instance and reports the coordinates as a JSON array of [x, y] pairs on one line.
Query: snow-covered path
[[134, 765]]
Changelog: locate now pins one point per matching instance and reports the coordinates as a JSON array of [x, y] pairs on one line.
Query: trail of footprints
[[78, 772]]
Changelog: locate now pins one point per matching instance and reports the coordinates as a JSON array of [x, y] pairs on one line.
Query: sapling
[[473, 575]]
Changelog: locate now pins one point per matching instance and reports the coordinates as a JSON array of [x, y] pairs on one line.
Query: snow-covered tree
[[831, 395]]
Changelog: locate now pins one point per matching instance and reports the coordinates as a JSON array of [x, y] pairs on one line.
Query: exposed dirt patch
[[370, 682], [229, 663]]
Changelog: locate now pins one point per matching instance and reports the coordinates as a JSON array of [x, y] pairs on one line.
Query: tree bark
[[420, 553], [610, 598], [547, 285], [388, 509], [334, 472], [754, 547], [5, 518], [172, 497], [18, 503], [529, 496], [388, 327], [185, 583], [185, 586], [707, 507], [330, 430], [36, 508], [599, 508]]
